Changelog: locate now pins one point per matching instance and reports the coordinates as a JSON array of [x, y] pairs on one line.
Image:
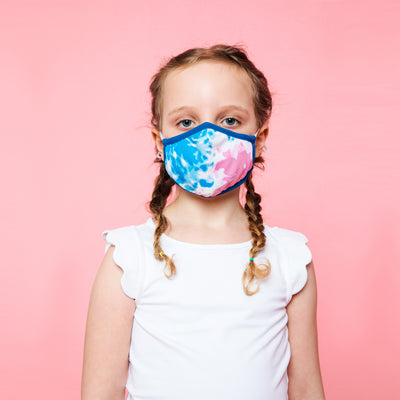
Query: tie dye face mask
[[209, 160]]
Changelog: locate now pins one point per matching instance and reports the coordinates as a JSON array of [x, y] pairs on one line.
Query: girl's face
[[210, 91]]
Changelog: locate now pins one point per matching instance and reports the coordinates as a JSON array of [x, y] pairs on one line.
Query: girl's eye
[[231, 121], [185, 123]]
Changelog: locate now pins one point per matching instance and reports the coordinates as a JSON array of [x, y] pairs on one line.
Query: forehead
[[207, 81]]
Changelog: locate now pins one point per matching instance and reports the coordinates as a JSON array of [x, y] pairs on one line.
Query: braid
[[256, 227], [161, 191]]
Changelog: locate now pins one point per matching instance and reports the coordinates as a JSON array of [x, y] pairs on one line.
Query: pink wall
[[76, 159]]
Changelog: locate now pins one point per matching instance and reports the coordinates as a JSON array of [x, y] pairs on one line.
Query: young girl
[[203, 300]]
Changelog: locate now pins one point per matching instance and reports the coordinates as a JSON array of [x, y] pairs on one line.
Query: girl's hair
[[262, 100]]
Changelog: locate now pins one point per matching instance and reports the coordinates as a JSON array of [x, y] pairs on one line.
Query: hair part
[[262, 99]]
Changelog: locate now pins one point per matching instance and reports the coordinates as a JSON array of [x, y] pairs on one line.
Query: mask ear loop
[[159, 155], [255, 135]]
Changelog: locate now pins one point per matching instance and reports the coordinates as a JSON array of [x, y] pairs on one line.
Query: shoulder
[[285, 236], [293, 243], [127, 233], [121, 233]]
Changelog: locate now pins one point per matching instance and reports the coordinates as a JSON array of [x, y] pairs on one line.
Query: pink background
[[77, 157]]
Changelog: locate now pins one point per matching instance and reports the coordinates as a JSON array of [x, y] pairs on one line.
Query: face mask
[[209, 160]]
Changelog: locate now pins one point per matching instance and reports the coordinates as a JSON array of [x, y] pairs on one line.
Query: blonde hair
[[163, 184]]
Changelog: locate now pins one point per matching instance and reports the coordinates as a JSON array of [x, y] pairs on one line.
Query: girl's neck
[[201, 220], [206, 213]]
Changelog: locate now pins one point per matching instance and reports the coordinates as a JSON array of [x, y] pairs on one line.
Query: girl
[[203, 300]]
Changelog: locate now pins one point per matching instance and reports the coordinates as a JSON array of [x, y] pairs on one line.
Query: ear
[[261, 138], [157, 139]]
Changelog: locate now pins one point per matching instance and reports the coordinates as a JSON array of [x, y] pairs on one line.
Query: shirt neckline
[[171, 240]]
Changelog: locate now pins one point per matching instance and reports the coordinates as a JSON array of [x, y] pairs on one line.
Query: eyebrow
[[228, 107]]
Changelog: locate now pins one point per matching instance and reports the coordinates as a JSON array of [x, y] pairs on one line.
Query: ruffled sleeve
[[297, 255], [127, 256]]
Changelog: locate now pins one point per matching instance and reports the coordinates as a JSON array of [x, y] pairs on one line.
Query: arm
[[305, 382], [108, 334]]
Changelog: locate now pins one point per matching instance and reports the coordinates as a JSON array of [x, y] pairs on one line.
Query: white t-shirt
[[198, 336]]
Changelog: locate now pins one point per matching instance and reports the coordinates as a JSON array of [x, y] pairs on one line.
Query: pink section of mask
[[234, 166]]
